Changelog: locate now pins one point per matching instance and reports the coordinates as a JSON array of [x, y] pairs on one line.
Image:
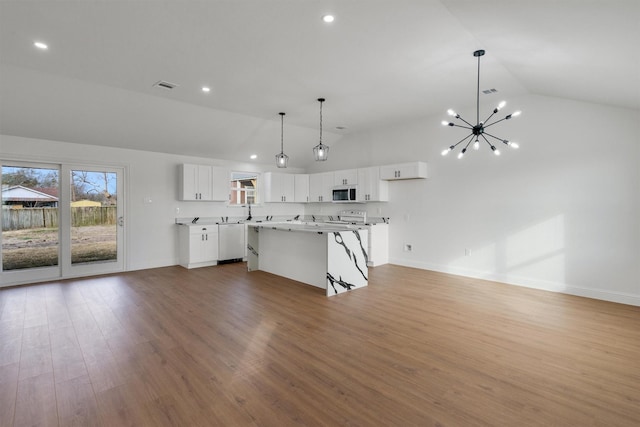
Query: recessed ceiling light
[[206, 89], [41, 45], [254, 156], [328, 19]]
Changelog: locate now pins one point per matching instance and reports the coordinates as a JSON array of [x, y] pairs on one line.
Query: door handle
[[121, 221]]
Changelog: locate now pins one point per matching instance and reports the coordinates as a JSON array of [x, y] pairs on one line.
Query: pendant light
[[479, 129], [321, 151], [282, 159]]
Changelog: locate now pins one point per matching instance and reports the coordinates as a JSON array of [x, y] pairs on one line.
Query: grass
[[32, 248]]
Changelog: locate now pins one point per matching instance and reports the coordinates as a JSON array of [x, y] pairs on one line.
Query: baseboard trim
[[618, 297]]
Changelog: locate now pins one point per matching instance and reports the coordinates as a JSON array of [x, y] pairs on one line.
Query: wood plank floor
[[222, 347]]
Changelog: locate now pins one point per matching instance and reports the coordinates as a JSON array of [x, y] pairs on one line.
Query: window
[[244, 188]]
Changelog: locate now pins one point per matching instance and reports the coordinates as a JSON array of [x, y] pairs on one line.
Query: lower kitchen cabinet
[[198, 245], [378, 244]]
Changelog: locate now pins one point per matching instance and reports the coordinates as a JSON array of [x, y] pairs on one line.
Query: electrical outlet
[[407, 247]]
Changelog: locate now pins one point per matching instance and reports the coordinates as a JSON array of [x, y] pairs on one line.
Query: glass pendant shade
[[321, 151], [282, 160]]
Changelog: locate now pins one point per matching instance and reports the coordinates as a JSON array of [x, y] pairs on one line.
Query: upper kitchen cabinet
[[195, 182], [321, 187], [203, 182], [345, 177], [279, 187], [301, 188], [411, 170], [221, 184], [370, 187]]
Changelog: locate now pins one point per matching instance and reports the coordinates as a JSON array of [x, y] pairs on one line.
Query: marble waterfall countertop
[[328, 256]]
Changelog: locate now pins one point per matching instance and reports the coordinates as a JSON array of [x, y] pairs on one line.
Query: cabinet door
[[279, 187], [220, 184], [315, 188], [345, 177], [301, 188], [205, 182], [287, 187], [210, 246], [188, 187], [270, 187], [411, 170], [370, 187]]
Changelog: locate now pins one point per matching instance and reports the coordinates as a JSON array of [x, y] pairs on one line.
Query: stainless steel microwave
[[345, 194]]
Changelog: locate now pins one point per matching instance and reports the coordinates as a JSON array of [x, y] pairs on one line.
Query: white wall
[[151, 239], [561, 213]]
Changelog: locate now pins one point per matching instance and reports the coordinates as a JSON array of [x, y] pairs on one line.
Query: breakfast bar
[[326, 256]]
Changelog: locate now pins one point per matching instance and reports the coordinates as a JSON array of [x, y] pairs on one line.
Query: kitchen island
[[322, 255]]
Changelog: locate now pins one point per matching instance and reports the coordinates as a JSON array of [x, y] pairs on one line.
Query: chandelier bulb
[[516, 114], [445, 152], [460, 155], [476, 145], [451, 112], [446, 123], [501, 105], [513, 145]]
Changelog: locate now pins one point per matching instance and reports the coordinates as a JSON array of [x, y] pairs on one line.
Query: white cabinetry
[[279, 187], [198, 245], [221, 184], [320, 187], [370, 187], [403, 171], [203, 182], [301, 188], [345, 177], [378, 244], [195, 182]]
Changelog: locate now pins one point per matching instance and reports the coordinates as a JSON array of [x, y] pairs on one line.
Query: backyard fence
[[19, 219]]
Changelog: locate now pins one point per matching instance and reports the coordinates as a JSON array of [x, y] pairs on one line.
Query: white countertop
[[309, 228]]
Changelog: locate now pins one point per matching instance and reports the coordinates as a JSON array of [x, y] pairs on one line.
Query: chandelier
[[321, 151], [281, 158], [479, 129]]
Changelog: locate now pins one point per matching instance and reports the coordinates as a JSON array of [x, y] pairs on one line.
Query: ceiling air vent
[[165, 85], [488, 91]]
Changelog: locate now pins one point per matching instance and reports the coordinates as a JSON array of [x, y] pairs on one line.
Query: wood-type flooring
[[219, 346]]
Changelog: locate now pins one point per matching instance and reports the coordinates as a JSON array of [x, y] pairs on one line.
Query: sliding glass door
[[60, 221], [95, 220]]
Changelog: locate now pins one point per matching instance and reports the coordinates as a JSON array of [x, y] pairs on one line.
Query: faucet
[[249, 217]]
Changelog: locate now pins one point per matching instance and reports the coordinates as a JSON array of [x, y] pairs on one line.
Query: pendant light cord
[[321, 101], [281, 133]]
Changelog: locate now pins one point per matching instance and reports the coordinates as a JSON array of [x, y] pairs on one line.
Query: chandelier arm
[[462, 140], [488, 118], [485, 138], [460, 118], [470, 140], [463, 127], [494, 137], [497, 121]]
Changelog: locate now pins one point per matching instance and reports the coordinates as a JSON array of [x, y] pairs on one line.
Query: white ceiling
[[380, 62]]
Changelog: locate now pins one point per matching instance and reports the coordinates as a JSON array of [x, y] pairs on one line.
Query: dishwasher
[[230, 242]]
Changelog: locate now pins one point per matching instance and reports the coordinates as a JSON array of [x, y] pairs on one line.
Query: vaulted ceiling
[[380, 62]]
